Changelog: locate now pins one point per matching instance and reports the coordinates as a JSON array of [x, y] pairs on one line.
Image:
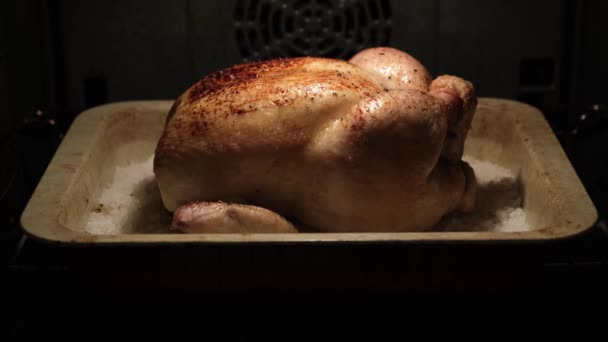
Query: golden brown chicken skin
[[367, 145]]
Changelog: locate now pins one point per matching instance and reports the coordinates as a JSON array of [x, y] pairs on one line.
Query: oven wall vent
[[283, 28]]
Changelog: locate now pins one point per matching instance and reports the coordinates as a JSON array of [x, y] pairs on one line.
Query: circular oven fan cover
[[330, 28]]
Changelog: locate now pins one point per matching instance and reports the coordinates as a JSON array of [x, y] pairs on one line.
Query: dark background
[[58, 58]]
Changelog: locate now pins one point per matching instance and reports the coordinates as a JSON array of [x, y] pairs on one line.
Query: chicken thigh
[[372, 144]]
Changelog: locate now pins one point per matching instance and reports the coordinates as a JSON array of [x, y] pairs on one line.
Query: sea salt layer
[[130, 202], [499, 202]]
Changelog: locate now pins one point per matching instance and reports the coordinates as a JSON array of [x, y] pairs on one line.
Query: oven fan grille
[[287, 28]]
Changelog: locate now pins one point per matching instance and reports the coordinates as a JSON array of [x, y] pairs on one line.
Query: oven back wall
[[117, 50], [24, 68]]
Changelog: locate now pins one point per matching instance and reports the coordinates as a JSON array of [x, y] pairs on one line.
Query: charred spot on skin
[[358, 121], [381, 53], [198, 126]]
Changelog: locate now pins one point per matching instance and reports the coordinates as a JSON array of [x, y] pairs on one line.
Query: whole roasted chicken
[[372, 144]]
